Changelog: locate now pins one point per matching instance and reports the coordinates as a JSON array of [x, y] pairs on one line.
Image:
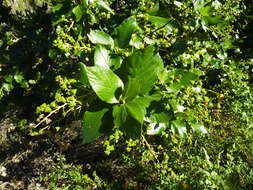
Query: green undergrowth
[[222, 159], [167, 86]]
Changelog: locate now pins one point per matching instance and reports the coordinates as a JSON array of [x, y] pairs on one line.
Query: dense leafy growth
[[166, 84]]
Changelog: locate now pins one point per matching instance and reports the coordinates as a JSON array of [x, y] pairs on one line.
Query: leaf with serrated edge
[[137, 108], [130, 126], [144, 66], [132, 89]]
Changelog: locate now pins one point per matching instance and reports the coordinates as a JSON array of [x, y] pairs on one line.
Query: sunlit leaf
[[99, 37], [158, 122], [137, 108], [101, 57], [125, 30], [144, 66], [115, 62], [18, 77], [136, 41], [132, 89], [104, 82]]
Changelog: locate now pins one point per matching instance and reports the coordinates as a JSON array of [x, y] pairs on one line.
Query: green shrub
[[169, 83]]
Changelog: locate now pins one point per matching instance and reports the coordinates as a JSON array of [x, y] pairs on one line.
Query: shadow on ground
[[25, 158]]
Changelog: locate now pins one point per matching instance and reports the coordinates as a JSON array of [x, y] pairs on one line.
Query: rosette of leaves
[[127, 96]]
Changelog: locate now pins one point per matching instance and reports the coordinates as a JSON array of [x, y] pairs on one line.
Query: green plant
[[66, 176], [141, 80], [137, 69]]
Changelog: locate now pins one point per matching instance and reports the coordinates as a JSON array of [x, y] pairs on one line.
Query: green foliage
[[132, 102], [193, 162], [174, 77], [65, 176], [23, 7]]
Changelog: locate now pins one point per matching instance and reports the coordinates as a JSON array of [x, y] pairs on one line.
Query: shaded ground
[[24, 158]]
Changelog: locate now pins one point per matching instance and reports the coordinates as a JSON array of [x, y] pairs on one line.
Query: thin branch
[[149, 147], [51, 113]]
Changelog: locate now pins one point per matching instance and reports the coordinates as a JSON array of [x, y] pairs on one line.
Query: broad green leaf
[[107, 123], [85, 3], [105, 83], [131, 127], [206, 10], [179, 127], [137, 108], [91, 125], [162, 117], [99, 37], [24, 84], [101, 57], [78, 12], [93, 19], [104, 5], [125, 30], [228, 44], [155, 97], [143, 66], [188, 78], [132, 89], [165, 76], [174, 87], [119, 114], [83, 75]]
